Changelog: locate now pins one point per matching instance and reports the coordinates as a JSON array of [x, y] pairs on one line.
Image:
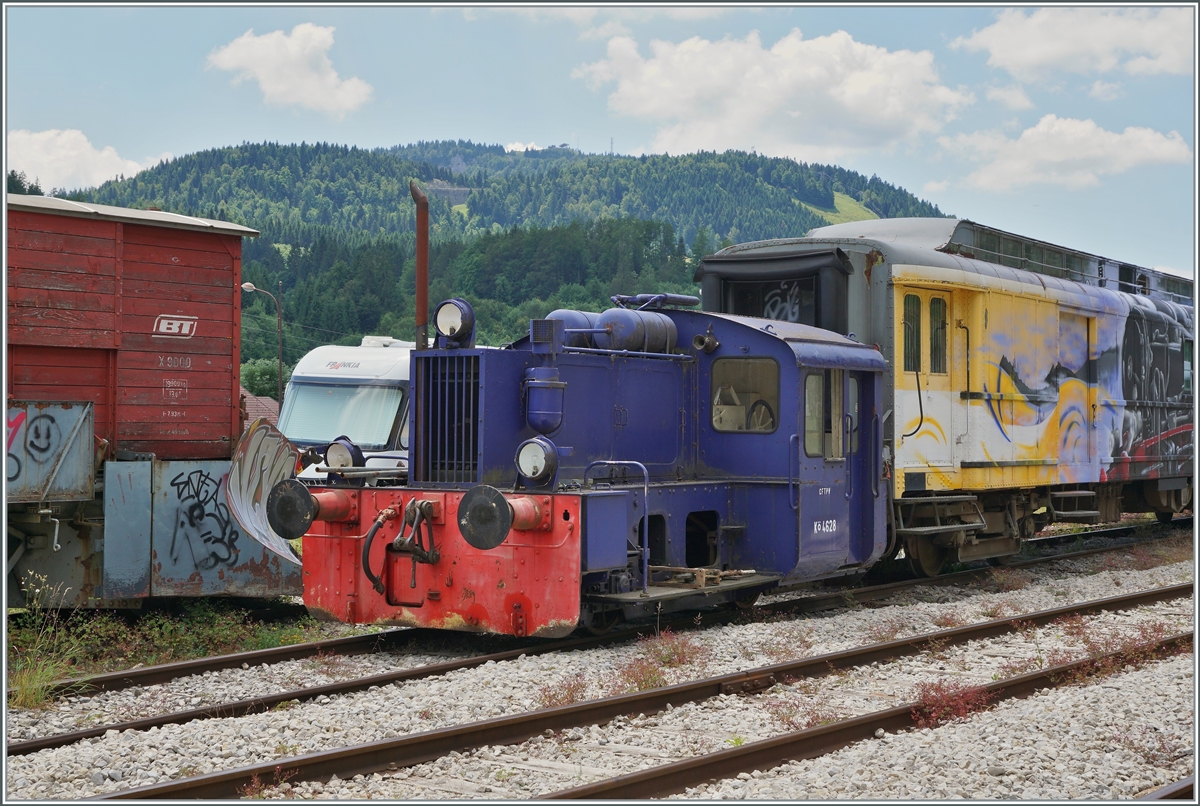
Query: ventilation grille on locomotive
[[541, 331], [447, 447]]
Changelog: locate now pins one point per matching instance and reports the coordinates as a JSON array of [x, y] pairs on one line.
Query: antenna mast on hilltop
[[610, 146]]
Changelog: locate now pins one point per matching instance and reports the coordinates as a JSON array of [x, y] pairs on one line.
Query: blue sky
[[1074, 125]]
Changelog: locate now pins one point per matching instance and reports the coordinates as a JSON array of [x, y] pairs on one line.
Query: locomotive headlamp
[[344, 453], [537, 460], [454, 321]]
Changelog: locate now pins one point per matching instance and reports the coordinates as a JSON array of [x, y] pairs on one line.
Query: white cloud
[[65, 158], [1103, 91], [1063, 151], [293, 69], [936, 187], [518, 146], [815, 99], [1087, 40], [1013, 97], [602, 23]]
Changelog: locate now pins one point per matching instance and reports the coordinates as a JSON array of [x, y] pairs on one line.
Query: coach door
[[1076, 397], [825, 471]]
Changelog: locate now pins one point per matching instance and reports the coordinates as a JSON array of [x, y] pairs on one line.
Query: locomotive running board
[[665, 599]]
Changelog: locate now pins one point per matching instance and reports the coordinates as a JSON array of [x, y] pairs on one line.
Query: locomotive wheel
[[747, 602], [925, 558], [603, 622]]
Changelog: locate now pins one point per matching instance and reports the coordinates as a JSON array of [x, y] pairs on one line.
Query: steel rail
[[675, 777], [421, 747], [1180, 790], [874, 592], [811, 604], [162, 673]]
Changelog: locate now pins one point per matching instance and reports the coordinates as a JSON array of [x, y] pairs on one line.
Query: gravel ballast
[[120, 760]]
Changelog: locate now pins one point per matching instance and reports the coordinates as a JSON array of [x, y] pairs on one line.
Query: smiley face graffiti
[[43, 438]]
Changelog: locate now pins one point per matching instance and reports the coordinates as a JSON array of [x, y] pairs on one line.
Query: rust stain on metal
[[873, 257]]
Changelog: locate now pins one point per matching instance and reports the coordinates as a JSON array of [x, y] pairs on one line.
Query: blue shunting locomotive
[[645, 460]]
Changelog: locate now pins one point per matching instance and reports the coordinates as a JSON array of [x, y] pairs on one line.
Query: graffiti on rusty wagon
[[13, 462], [203, 528]]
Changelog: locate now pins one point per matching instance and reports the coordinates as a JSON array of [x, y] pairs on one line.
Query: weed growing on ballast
[[564, 692], [801, 713], [943, 700]]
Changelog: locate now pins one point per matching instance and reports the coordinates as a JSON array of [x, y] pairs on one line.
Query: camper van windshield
[[316, 413]]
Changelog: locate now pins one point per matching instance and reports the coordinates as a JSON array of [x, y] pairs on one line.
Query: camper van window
[[316, 413]]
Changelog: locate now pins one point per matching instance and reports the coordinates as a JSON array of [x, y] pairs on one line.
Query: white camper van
[[358, 392]]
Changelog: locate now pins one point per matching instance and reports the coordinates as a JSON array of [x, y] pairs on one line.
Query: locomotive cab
[[607, 466]]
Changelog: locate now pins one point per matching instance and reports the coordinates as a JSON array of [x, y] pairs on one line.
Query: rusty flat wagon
[[122, 365]]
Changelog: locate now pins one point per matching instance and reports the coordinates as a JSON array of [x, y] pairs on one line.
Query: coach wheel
[[925, 558], [1164, 517], [1000, 562], [760, 417]]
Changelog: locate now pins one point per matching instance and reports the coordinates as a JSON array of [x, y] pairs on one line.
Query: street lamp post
[[278, 329]]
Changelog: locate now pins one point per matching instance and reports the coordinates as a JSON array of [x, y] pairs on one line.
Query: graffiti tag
[[203, 527], [13, 464]]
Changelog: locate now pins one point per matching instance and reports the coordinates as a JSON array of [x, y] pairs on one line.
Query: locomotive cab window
[[745, 395], [823, 414]]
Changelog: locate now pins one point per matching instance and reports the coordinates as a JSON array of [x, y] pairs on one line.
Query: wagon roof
[[104, 212]]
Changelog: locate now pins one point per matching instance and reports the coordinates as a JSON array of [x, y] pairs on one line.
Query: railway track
[[392, 639], [383, 641], [418, 748], [667, 779], [1183, 789]]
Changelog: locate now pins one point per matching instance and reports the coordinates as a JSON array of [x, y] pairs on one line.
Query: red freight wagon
[[137, 313]]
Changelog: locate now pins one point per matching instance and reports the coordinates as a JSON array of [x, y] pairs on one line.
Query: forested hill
[[517, 234], [295, 192]]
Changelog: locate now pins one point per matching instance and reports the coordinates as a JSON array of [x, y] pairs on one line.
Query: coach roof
[[104, 212]]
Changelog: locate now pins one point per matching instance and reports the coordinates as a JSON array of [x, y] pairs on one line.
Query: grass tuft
[[41, 648], [46, 645]]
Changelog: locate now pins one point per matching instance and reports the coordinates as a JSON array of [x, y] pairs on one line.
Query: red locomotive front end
[[476, 560]]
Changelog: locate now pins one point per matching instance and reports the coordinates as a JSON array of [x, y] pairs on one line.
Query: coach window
[[1187, 365], [745, 394], [823, 408], [937, 335], [912, 333]]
